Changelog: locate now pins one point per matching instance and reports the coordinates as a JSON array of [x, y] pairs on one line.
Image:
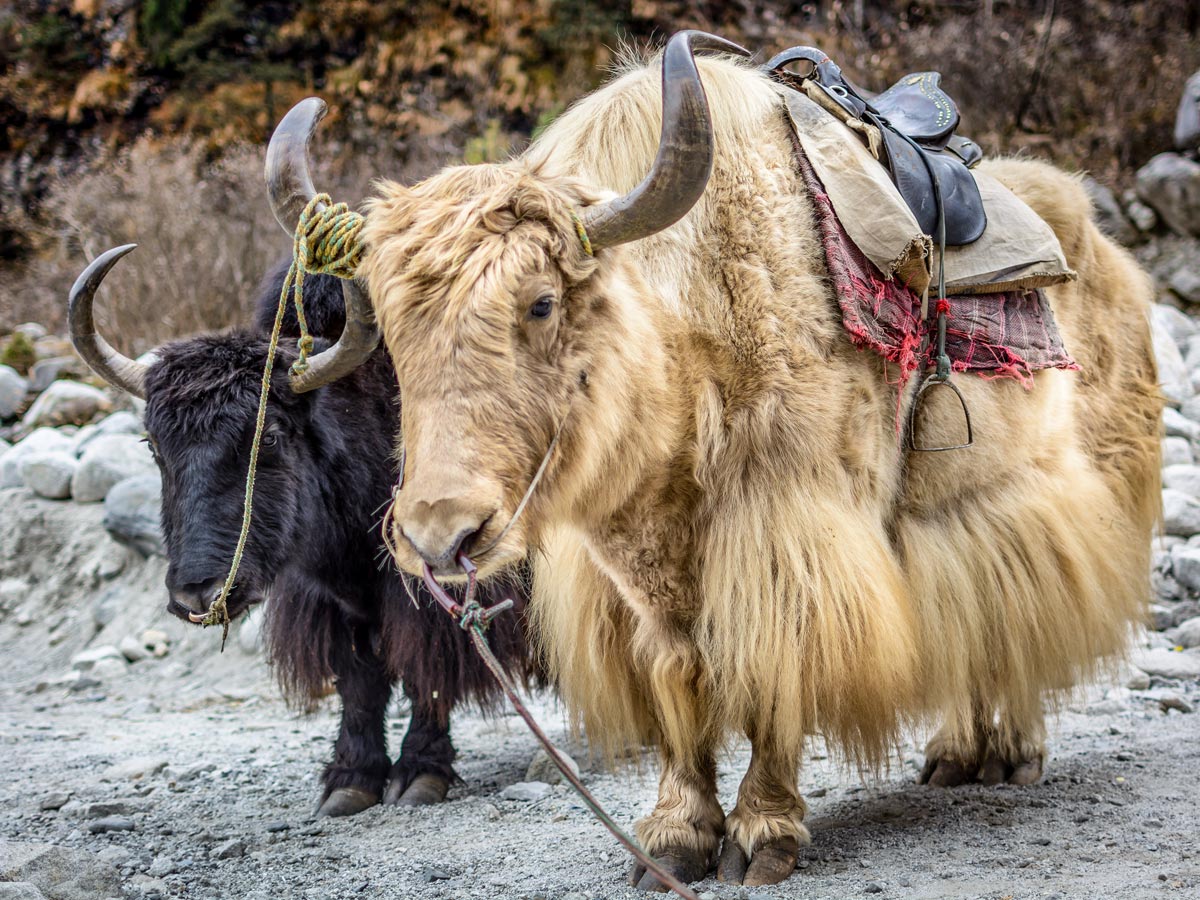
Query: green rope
[[327, 242]]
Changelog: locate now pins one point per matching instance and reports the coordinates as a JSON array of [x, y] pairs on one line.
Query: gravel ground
[[217, 786]]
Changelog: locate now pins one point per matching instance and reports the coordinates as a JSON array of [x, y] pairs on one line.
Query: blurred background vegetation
[[142, 120]]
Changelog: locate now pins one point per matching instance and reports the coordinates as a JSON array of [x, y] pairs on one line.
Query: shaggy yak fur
[[336, 610], [730, 536]]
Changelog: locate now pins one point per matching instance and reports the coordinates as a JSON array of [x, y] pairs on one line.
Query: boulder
[[1178, 324], [1176, 451], [1179, 425], [131, 513], [1167, 663], [66, 403], [1185, 284], [12, 392], [1185, 565], [60, 873], [1109, 215], [1187, 117], [46, 371], [41, 440], [1173, 375], [109, 459], [1183, 478], [1181, 513], [1170, 185], [32, 330], [1187, 633], [48, 474]]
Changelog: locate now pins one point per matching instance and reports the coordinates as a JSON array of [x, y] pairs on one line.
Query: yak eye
[[270, 439], [541, 308]]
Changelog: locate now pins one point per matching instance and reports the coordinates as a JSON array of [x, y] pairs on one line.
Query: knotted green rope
[[327, 242]]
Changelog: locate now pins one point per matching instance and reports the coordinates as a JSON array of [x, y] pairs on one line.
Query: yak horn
[[120, 371], [290, 188], [685, 152]]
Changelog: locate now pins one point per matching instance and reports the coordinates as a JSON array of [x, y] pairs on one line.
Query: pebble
[[873, 887], [54, 801], [231, 849], [133, 649], [1187, 633], [162, 865], [1169, 702], [526, 791], [110, 823], [135, 769], [430, 874], [86, 660], [277, 827]]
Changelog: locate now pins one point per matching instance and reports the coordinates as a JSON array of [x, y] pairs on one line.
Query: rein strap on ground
[[474, 619]]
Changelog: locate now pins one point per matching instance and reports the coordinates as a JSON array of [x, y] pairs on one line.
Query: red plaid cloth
[[1006, 335]]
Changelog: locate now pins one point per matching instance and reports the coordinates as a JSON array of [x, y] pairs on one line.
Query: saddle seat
[[910, 129]]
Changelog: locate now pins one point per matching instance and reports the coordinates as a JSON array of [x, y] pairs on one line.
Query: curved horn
[[685, 153], [290, 188], [118, 370]]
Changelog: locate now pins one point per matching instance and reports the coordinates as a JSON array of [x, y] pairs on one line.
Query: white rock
[[1182, 478], [542, 768], [1144, 219], [131, 513], [48, 474], [43, 439], [1176, 323], [134, 769], [1170, 184], [526, 791], [32, 330], [1185, 564], [82, 437], [109, 459], [250, 636], [1168, 663], [1137, 680], [109, 667], [1176, 451], [1173, 375], [1181, 513], [1187, 633], [12, 391], [133, 649], [66, 403], [1185, 283], [1178, 425], [87, 659]]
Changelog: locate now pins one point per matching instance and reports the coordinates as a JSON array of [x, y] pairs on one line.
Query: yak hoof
[[771, 863], [946, 773], [1027, 771], [424, 790], [684, 863], [347, 801]]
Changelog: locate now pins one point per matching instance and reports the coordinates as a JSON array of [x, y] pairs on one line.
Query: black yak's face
[[201, 403]]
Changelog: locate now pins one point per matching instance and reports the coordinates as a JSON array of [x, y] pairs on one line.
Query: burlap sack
[[1017, 250]]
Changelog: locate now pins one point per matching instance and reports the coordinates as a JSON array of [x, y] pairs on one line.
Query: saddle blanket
[[1017, 249], [1007, 334]]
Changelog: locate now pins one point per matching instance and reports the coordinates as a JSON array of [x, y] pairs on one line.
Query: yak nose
[[196, 597], [438, 530]]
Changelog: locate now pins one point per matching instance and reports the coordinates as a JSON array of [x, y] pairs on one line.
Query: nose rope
[[474, 619], [327, 242]]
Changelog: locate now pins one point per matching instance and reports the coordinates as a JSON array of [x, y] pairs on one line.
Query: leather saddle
[[915, 121]]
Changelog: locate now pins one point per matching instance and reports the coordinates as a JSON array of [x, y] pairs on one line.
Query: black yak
[[337, 609]]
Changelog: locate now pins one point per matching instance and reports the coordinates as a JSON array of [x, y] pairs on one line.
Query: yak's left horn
[[117, 370], [685, 152], [290, 188]]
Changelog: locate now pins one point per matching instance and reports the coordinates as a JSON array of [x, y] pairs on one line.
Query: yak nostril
[[442, 554]]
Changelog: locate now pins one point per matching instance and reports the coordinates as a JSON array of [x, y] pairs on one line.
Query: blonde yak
[[729, 536]]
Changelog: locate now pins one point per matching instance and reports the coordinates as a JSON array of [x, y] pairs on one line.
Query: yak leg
[[765, 831], [684, 829], [424, 770], [354, 780]]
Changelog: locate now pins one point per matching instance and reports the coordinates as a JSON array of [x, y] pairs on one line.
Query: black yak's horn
[[117, 370], [290, 188], [685, 152]]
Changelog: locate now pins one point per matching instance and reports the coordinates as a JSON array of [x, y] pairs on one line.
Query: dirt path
[[219, 788]]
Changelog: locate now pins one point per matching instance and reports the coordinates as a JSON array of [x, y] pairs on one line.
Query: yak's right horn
[[117, 370], [290, 188]]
